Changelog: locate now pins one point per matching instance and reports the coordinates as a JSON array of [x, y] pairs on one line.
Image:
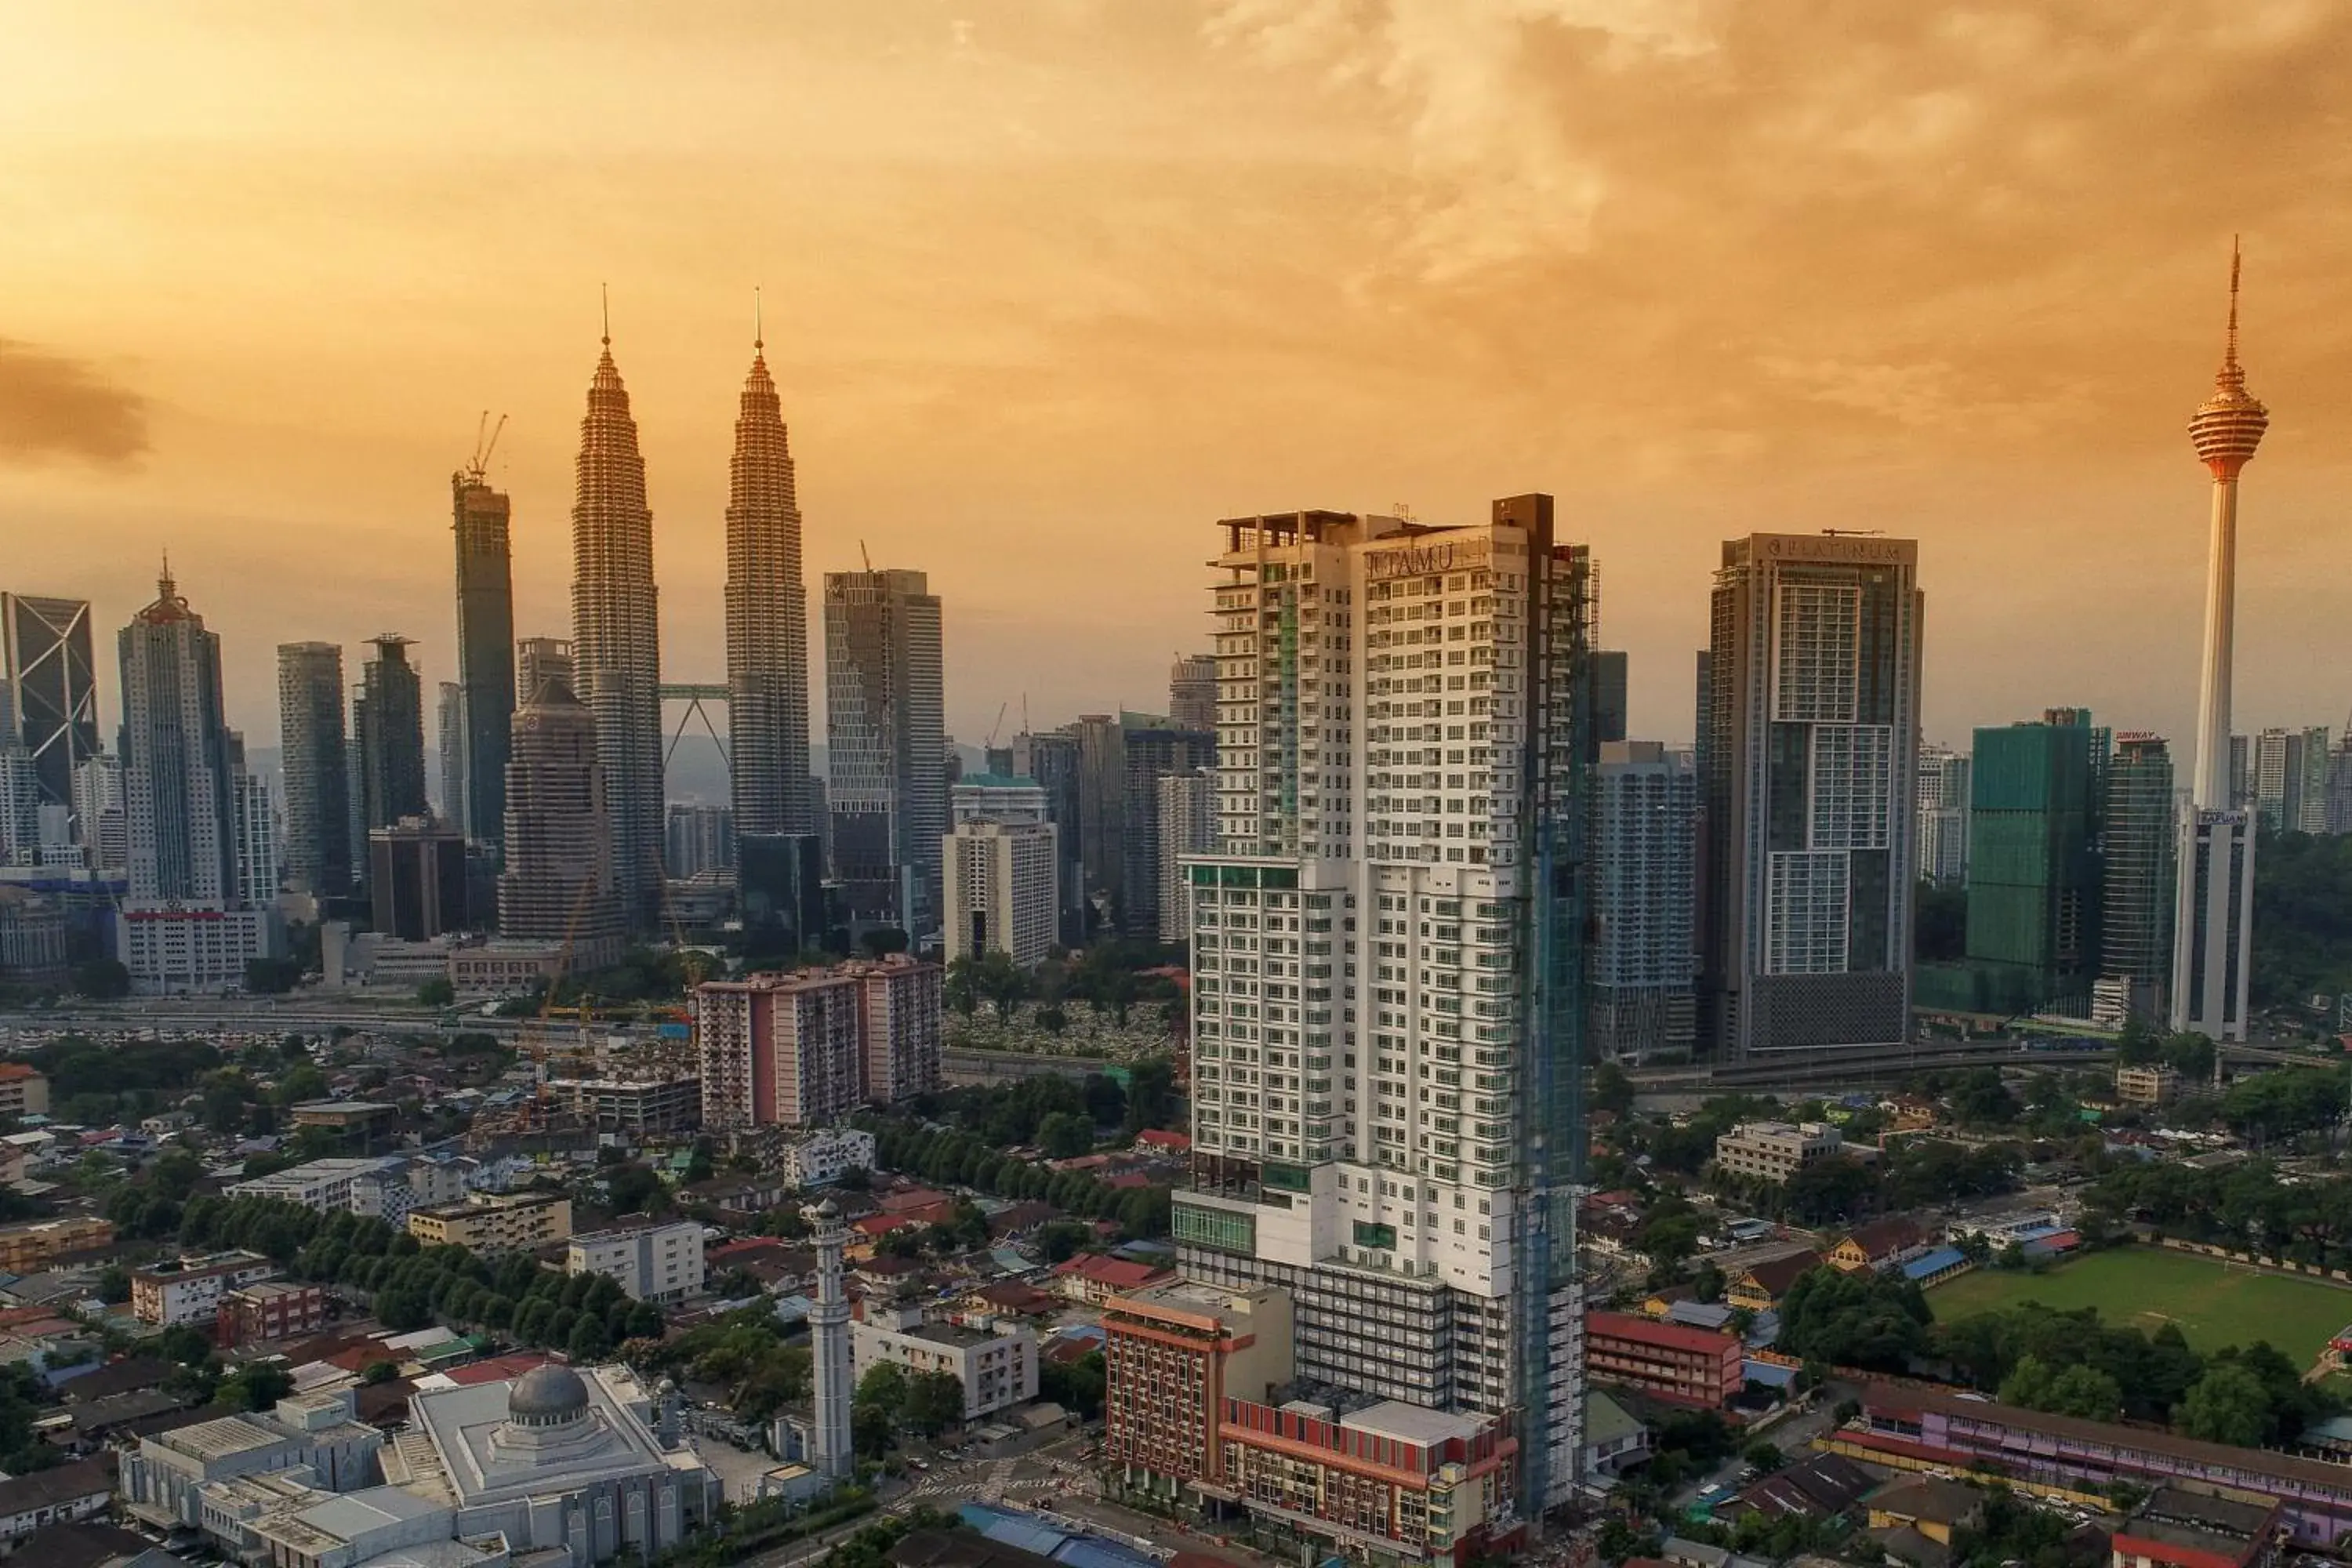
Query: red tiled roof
[[919, 1197], [1775, 1275], [1160, 1138], [1127, 1179], [1650, 1332], [497, 1369], [1115, 1272], [882, 1224]]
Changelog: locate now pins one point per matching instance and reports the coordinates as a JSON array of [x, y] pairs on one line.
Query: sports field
[[2214, 1303]]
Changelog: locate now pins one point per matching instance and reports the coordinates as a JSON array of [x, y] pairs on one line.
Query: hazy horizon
[[1050, 287]]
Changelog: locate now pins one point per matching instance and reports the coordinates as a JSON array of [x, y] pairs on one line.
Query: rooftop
[[1412, 1424]]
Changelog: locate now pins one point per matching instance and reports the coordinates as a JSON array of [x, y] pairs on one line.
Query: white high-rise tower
[[2213, 940], [1388, 951], [829, 1444]]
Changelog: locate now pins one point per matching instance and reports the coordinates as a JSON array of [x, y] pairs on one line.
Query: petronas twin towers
[[617, 629]]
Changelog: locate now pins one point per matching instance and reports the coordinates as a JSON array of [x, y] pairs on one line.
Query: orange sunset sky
[[1052, 284]]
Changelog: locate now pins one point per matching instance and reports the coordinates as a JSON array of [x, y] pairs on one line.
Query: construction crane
[[993, 729], [477, 467]]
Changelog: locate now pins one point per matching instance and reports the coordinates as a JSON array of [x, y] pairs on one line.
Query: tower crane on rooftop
[[477, 467]]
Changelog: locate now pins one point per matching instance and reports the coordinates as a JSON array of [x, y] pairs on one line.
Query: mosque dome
[[546, 1395]]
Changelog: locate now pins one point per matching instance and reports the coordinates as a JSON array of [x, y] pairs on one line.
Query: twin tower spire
[[615, 625]]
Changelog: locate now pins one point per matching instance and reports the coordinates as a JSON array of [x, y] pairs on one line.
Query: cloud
[[52, 406]]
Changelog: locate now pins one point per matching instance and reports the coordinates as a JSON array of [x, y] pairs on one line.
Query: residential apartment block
[[1389, 960], [1171, 1356], [1689, 1366], [650, 1262], [996, 1366], [190, 1290], [272, 1310], [492, 1223], [807, 1048], [1774, 1149], [32, 1246], [24, 1090]]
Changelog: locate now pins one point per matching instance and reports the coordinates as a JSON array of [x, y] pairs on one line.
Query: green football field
[[2214, 1303]]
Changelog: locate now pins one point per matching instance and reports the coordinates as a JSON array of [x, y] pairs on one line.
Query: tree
[[883, 1387], [1765, 1456], [1062, 1240], [1075, 1385], [632, 1188], [301, 1085], [272, 976], [2228, 1404], [257, 1385], [883, 941], [1612, 1091], [437, 992], [101, 979], [1064, 1135], [113, 1285], [934, 1403]]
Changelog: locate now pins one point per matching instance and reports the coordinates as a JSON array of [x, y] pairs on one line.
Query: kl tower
[[2212, 927]]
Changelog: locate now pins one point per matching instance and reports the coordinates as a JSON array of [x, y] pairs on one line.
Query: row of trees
[[2247, 1206], [2069, 1363], [940, 1155], [586, 1316]]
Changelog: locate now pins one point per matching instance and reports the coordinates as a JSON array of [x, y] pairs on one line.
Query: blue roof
[[1771, 1374], [2035, 1233], [1935, 1262], [1700, 1314], [1028, 1532]]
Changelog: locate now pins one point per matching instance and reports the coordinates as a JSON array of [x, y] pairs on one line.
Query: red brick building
[[1170, 1357], [273, 1310], [1691, 1366]]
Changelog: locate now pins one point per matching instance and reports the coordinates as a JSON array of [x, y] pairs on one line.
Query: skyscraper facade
[[185, 925], [21, 795], [2290, 780], [389, 717], [617, 636], [2136, 908], [1192, 692], [886, 745], [2213, 931], [482, 522], [539, 660], [1942, 817], [254, 814], [46, 655], [2033, 882], [1187, 809], [767, 620], [1812, 752], [1121, 759], [1611, 695], [1387, 1124], [99, 808], [557, 884], [1053, 759], [1645, 840], [999, 880], [449, 733]]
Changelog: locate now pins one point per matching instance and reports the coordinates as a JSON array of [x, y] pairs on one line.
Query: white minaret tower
[[2212, 935], [830, 1453]]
